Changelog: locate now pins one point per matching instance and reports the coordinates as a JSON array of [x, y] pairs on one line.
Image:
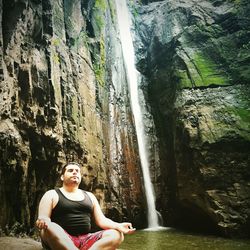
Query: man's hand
[[125, 228], [42, 222]]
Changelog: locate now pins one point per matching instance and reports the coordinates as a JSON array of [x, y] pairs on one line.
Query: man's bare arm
[[45, 209], [105, 223]]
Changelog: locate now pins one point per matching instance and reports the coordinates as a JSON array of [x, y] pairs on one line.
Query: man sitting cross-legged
[[64, 218]]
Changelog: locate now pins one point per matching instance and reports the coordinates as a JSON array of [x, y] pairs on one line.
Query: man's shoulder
[[87, 192], [91, 196], [51, 192]]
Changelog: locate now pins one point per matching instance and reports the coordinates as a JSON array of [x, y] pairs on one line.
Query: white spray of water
[[124, 23]]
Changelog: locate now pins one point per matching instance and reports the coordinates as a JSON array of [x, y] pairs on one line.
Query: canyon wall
[[195, 57], [64, 97]]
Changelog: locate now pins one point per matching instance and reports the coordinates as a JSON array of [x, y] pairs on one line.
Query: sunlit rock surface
[[64, 98]]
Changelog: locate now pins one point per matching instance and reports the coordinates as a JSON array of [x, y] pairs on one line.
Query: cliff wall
[[195, 57], [64, 97]]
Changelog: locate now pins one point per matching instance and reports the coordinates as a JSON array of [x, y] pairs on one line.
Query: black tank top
[[73, 216]]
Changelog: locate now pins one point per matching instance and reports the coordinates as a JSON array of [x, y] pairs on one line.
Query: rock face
[[195, 57], [212, 153], [64, 98]]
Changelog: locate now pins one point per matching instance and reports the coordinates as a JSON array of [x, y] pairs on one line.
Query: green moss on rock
[[201, 71], [209, 72], [242, 114]]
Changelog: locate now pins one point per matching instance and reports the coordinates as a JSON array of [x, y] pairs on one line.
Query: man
[[64, 217]]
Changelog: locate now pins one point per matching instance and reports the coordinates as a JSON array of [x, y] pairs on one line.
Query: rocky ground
[[12, 243]]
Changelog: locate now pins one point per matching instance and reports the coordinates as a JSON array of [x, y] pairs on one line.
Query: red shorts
[[85, 241]]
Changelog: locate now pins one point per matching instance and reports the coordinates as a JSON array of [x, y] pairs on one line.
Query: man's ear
[[62, 177]]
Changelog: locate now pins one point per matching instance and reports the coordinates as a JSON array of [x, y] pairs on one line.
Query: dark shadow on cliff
[[192, 219]]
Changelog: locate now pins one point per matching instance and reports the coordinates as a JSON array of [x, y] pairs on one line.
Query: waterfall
[[124, 23]]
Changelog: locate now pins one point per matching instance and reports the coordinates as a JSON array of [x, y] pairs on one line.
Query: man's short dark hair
[[67, 164]]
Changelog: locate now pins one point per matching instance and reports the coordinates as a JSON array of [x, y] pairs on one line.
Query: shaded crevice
[[12, 12], [191, 218], [47, 17], [87, 9]]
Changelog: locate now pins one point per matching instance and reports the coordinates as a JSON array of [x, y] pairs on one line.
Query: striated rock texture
[[64, 98], [195, 57]]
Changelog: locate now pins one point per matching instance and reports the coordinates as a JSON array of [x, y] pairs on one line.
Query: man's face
[[72, 174]]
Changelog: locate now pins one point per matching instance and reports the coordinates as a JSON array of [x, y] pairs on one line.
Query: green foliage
[[55, 43], [99, 65], [99, 73], [55, 58], [135, 12], [98, 14], [100, 4], [112, 11], [99, 21], [133, 8]]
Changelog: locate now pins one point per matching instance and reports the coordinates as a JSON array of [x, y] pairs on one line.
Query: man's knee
[[54, 237], [53, 232], [116, 237]]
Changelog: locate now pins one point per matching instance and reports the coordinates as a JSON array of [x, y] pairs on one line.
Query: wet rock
[[194, 56]]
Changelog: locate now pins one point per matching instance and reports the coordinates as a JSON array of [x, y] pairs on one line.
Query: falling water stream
[[124, 23], [153, 238]]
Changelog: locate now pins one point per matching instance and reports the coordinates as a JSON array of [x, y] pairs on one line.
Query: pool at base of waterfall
[[177, 240]]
